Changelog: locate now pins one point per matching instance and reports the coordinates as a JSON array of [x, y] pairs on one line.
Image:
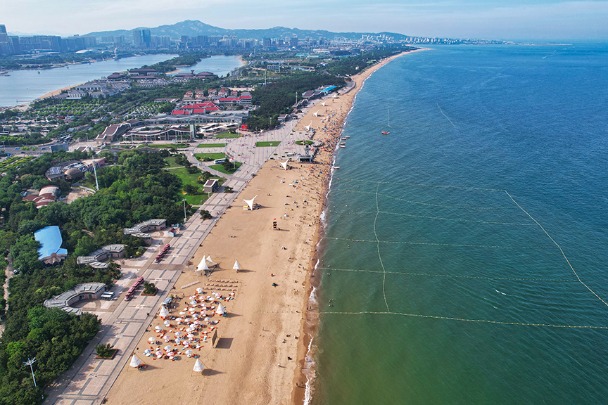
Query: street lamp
[[184, 201], [30, 362]]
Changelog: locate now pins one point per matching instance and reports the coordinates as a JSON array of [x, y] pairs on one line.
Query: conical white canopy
[[203, 265], [135, 361], [236, 266], [220, 310], [209, 259], [198, 366], [164, 312]]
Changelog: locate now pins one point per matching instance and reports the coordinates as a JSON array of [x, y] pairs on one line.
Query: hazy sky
[[489, 19]]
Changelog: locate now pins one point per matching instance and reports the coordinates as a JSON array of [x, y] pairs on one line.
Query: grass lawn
[[265, 144], [167, 145], [221, 168], [206, 157], [171, 162], [227, 135], [304, 142], [211, 145], [189, 179]]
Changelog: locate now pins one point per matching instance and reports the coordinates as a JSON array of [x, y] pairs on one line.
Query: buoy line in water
[[378, 249], [330, 269], [450, 318], [560, 249]]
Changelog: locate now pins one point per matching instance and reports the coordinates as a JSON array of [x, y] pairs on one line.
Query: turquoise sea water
[[465, 257]]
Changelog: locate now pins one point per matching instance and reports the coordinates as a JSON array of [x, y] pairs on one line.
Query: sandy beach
[[260, 356]]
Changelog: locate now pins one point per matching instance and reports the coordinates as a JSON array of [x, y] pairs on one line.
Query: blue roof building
[[50, 239], [329, 89]]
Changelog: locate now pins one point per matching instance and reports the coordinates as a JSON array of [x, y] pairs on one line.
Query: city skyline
[[492, 19]]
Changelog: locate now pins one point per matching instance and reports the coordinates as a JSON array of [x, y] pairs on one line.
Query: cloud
[[450, 18]]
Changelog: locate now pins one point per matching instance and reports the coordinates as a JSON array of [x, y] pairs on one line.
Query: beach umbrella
[[158, 328], [189, 353], [135, 361], [199, 290], [164, 312], [236, 266], [198, 366], [151, 340], [168, 348], [167, 323], [220, 310]]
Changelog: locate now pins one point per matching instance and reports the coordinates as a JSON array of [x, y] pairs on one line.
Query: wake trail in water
[[446, 117]]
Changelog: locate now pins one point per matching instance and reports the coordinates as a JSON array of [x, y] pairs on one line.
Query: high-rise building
[[142, 38], [293, 41], [6, 47]]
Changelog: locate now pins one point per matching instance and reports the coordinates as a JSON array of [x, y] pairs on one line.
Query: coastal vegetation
[[133, 188]]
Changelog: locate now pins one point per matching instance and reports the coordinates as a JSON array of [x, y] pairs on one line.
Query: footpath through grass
[[192, 188]]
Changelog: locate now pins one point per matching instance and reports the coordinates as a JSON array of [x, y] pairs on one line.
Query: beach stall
[[236, 266]]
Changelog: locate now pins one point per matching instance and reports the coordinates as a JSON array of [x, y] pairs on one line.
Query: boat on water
[[335, 167], [385, 132], [344, 138], [343, 145]]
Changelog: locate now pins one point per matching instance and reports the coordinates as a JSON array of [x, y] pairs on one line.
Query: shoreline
[[305, 377], [264, 340]]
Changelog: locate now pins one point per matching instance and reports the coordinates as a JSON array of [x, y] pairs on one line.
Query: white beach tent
[[250, 203], [199, 367], [285, 165], [135, 361], [209, 259], [236, 266], [202, 266], [220, 310], [164, 312]]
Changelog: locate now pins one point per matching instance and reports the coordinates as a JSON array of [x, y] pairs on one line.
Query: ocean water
[[465, 255]]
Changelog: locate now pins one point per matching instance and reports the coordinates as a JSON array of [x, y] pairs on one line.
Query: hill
[[193, 28]]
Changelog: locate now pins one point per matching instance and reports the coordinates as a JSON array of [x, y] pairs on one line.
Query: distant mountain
[[193, 28]]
